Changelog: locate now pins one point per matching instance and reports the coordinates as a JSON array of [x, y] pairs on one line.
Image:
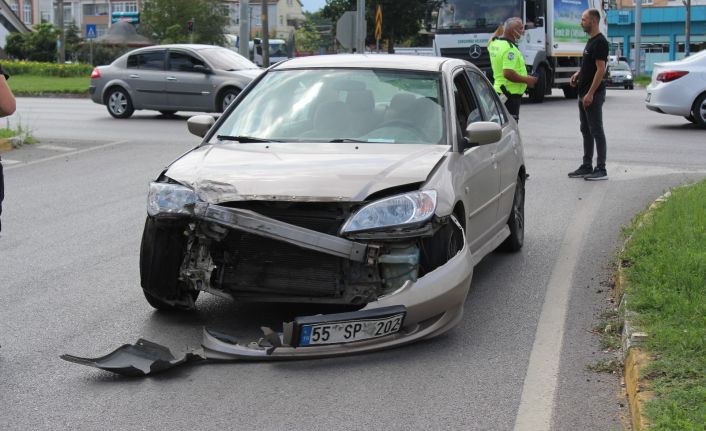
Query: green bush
[[46, 69]]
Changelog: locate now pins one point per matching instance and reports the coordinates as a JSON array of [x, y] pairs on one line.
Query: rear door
[[187, 87], [145, 76]]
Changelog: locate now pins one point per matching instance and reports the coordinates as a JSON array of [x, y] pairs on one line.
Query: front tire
[[161, 254], [119, 103], [516, 221], [227, 97], [699, 111]]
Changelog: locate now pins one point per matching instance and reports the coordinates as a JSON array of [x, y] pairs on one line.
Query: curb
[[635, 358]]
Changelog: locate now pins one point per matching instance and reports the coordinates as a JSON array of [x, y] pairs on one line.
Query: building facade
[[283, 17], [662, 33]]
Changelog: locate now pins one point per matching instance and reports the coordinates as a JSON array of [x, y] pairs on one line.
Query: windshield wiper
[[244, 139], [347, 140]]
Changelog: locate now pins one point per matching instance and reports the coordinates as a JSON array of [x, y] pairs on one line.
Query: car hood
[[302, 172]]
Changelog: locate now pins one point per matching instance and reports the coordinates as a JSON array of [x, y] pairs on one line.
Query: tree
[[401, 19], [166, 20]]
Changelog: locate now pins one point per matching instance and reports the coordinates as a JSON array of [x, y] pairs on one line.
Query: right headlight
[[404, 210], [166, 198]]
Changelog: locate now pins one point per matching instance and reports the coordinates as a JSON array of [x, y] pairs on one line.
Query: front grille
[[483, 62], [253, 264]]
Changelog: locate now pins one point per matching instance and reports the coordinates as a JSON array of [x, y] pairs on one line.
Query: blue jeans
[[592, 129]]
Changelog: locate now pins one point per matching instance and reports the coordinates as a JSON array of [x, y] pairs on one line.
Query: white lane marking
[[59, 156], [538, 391], [55, 147], [10, 162]]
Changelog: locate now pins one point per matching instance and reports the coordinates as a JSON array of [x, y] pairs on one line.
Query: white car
[[679, 88]]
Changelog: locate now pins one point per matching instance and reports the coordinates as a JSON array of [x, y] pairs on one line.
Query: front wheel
[[699, 111], [161, 254], [119, 103], [516, 221], [228, 97]]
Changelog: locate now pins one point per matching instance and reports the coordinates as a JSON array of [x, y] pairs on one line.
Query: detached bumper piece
[[384, 328]]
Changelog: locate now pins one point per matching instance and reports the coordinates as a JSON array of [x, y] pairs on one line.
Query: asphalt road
[[69, 283]]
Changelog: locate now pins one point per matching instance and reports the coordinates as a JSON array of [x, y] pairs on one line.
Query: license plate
[[648, 97], [350, 330]]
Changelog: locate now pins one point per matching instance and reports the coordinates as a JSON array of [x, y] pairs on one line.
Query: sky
[[313, 5]]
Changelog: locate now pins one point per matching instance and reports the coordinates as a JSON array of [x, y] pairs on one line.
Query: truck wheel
[[161, 254], [536, 94], [570, 92]]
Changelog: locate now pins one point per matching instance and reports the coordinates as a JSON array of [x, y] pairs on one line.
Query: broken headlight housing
[[406, 210], [171, 199]]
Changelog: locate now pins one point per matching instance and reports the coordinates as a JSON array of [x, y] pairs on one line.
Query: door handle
[[171, 78], [134, 76]]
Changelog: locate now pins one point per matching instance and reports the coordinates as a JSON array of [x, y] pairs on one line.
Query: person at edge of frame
[[591, 89], [509, 71], [7, 107]]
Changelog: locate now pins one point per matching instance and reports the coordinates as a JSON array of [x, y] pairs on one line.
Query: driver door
[[188, 88]]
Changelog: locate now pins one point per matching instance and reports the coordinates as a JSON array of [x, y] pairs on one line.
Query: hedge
[[46, 69]]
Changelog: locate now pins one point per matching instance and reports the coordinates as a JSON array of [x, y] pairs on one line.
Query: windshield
[[620, 66], [340, 105], [278, 49], [225, 59], [476, 16]]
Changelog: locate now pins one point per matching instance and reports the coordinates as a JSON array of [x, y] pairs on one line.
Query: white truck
[[278, 48], [552, 45]]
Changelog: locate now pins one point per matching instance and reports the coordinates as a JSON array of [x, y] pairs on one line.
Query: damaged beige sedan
[[371, 181]]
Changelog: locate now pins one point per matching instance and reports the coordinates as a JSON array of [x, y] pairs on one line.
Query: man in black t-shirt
[[591, 91]]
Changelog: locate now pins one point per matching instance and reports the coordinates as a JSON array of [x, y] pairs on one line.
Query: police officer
[[509, 70]]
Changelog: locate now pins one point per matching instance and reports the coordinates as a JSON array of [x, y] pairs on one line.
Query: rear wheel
[[119, 103], [161, 254], [570, 92], [699, 111], [516, 221]]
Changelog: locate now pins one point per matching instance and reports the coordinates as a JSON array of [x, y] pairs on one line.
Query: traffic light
[[190, 25]]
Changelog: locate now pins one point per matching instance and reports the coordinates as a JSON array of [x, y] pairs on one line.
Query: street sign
[[378, 23], [91, 32], [345, 29]]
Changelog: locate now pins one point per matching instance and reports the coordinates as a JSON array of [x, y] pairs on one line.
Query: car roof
[[377, 61], [194, 47]]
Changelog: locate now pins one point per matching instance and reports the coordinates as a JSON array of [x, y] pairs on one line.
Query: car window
[[487, 98], [323, 105], [153, 60], [183, 62], [467, 110], [225, 59]]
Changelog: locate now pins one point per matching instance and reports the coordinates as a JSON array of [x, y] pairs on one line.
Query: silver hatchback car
[[170, 78]]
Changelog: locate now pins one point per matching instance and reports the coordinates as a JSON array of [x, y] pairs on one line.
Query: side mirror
[[483, 133], [199, 125], [201, 68]]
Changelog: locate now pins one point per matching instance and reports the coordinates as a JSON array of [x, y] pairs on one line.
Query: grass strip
[[33, 85], [667, 288]]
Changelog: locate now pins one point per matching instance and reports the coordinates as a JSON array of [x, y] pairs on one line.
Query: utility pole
[[244, 29], [687, 36], [62, 35], [360, 27], [638, 29], [265, 36]]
